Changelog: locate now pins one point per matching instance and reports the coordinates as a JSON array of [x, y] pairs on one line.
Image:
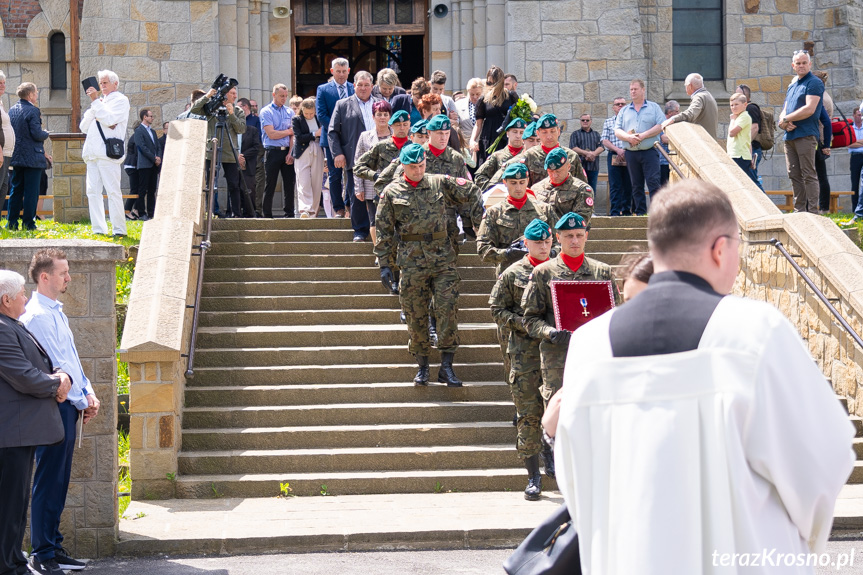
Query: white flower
[[529, 101]]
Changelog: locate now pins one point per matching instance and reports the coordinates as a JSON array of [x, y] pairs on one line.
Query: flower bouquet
[[524, 109]]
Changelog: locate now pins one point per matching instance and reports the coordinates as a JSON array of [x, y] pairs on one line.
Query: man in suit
[[325, 104], [30, 389], [351, 117], [149, 160], [467, 107], [251, 151], [702, 108]]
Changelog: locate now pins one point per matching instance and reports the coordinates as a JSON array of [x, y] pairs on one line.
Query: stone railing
[[89, 521], [70, 178], [829, 258], [156, 332]]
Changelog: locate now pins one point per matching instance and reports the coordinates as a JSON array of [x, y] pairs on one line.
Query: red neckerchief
[[572, 263], [399, 142], [517, 203], [411, 182], [514, 151], [547, 150], [437, 152], [529, 191], [535, 262], [561, 183]]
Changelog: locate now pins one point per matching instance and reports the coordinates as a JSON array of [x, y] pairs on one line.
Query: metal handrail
[[671, 163], [778, 245], [202, 254]]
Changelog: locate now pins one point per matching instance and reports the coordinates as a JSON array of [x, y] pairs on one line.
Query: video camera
[[222, 85]]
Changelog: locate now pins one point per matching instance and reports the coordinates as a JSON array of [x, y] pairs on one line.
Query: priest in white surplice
[[696, 434]]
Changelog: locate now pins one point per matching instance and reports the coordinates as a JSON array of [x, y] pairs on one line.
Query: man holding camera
[[235, 123]]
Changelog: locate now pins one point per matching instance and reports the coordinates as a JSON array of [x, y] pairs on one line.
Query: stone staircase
[[303, 376]]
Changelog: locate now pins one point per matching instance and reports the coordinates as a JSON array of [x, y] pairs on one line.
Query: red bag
[[843, 131]]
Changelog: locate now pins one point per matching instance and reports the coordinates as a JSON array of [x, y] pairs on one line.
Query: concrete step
[[313, 394], [341, 373], [328, 335], [316, 317], [348, 483], [348, 414], [304, 261], [856, 473], [304, 356], [346, 304], [282, 288], [243, 224], [277, 274], [858, 425], [379, 435], [346, 459]]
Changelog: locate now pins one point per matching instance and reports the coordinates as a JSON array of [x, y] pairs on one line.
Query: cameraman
[[236, 124]]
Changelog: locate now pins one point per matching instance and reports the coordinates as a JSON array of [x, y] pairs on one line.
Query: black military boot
[[445, 374], [515, 419], [534, 479], [394, 286], [422, 376], [548, 460], [433, 330]]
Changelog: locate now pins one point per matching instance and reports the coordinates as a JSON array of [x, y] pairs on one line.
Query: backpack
[[767, 129]]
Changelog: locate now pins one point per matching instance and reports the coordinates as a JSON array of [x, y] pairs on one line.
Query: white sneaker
[[304, 216]]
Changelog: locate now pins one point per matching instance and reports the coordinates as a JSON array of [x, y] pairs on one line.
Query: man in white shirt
[[717, 436], [110, 111]]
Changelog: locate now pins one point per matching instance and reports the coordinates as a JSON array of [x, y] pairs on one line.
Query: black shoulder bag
[[550, 549], [113, 146]]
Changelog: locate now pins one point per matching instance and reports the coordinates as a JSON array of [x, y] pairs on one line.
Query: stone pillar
[[243, 33], [69, 176], [89, 522]]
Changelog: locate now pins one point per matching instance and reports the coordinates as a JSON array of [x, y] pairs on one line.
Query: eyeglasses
[[583, 121], [738, 237], [619, 104]]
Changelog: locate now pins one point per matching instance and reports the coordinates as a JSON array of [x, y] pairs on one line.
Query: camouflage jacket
[[422, 211], [503, 223], [534, 159], [505, 302], [571, 196], [373, 162], [490, 167], [449, 163]]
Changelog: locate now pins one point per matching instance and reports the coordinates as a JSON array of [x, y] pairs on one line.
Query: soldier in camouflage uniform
[[571, 264], [563, 192], [549, 133], [525, 378], [415, 207], [530, 138], [514, 133]]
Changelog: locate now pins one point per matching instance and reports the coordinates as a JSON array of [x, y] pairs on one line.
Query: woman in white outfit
[[308, 159]]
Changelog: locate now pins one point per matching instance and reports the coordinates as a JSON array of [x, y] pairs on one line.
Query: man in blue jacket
[[325, 103], [28, 158], [149, 160]]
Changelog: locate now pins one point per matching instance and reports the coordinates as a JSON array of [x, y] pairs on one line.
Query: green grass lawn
[[51, 230]]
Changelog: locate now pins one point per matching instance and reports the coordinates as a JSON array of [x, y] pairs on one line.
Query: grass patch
[[124, 483], [51, 230]]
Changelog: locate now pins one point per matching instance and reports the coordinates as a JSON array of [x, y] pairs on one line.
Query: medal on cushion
[[583, 302]]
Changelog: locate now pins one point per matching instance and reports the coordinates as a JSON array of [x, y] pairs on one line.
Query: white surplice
[[671, 463]]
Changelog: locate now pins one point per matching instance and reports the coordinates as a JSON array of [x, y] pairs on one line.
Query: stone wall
[[164, 284], [68, 177], [89, 522], [829, 258]]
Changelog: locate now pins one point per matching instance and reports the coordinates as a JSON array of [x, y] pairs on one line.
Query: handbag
[[550, 549], [843, 131], [113, 146]]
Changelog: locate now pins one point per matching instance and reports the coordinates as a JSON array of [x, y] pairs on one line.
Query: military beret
[[515, 170], [547, 121], [439, 122], [517, 123], [555, 158], [571, 221], [420, 127], [412, 154], [399, 116], [530, 131], [537, 230]]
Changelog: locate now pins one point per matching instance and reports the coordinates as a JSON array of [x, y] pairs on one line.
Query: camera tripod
[[220, 134]]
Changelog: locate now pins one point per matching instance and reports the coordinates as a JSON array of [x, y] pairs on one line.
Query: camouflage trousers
[[525, 384], [503, 340], [553, 361], [417, 288]]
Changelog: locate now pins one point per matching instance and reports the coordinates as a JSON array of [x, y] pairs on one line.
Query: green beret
[[547, 121], [439, 122], [399, 116], [516, 170], [420, 127], [412, 154], [517, 123], [555, 158], [537, 230], [570, 221], [530, 131]]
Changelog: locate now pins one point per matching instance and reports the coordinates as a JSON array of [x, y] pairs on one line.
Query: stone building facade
[[571, 55]]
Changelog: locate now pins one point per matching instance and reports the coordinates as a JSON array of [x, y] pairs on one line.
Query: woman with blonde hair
[[491, 112], [387, 85]]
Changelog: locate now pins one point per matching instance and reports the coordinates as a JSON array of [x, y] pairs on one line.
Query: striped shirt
[[608, 132], [588, 141]]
